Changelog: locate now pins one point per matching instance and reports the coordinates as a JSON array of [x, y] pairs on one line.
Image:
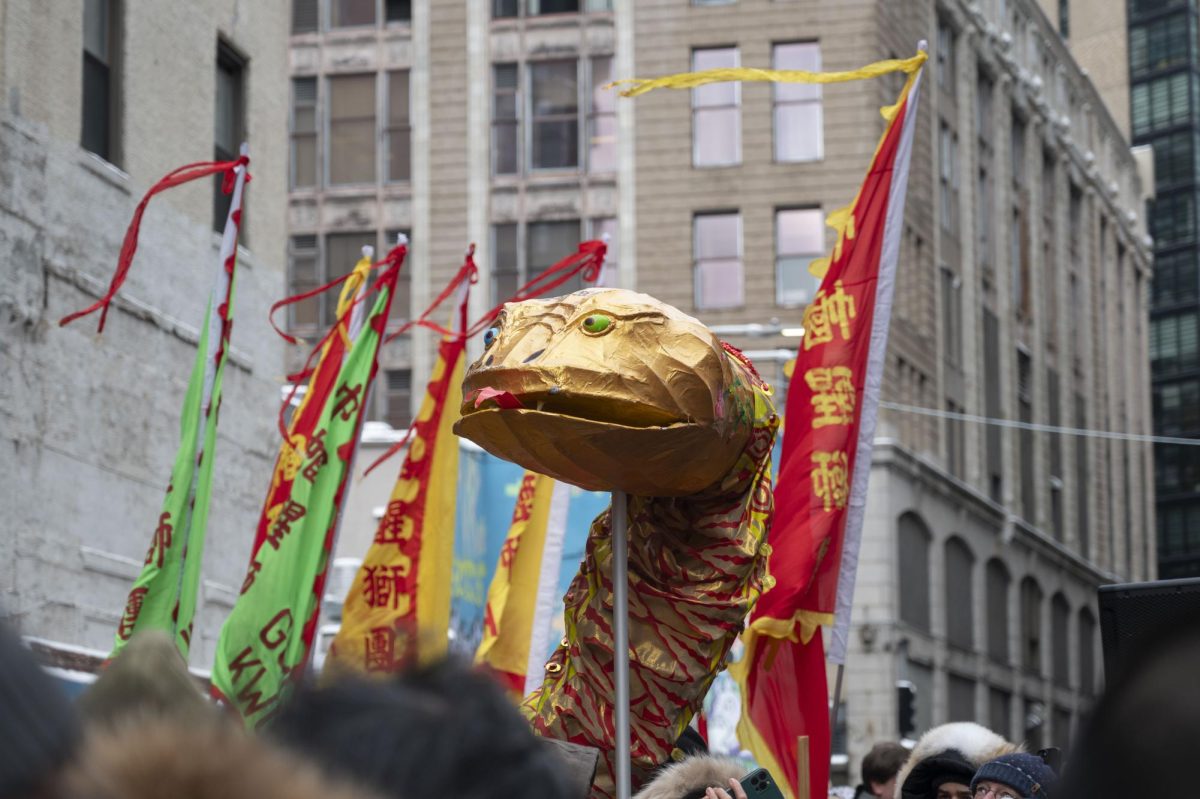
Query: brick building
[[1023, 281], [100, 99]]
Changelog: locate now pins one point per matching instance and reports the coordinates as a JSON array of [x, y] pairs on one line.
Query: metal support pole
[[835, 705], [620, 576]]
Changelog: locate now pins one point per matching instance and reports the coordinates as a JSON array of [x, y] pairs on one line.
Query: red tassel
[[184, 174]]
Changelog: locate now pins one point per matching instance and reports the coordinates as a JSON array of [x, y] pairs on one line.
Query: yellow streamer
[[690, 80]]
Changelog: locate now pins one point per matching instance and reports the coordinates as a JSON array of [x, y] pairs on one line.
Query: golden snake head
[[608, 389]]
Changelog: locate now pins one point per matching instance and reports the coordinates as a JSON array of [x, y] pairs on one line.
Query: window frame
[[735, 106], [697, 282], [111, 65], [389, 129], [777, 104], [314, 134], [328, 127], [229, 58], [780, 255], [525, 76]]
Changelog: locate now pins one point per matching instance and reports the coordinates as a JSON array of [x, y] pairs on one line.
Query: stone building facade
[[99, 100], [1021, 296]]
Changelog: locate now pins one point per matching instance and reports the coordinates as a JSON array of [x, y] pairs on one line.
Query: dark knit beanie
[[1026, 774]]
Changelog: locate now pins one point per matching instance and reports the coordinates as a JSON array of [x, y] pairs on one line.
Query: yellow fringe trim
[[690, 80]]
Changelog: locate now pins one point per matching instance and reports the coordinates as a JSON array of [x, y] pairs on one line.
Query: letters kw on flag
[[268, 635], [831, 411], [398, 606]]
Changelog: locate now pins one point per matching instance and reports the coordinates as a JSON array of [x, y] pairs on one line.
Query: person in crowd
[[879, 770], [148, 678], [38, 728], [696, 777], [945, 759], [1017, 775], [1145, 730], [438, 730]]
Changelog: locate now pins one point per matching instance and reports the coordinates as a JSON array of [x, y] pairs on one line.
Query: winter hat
[[935, 771], [1027, 774]]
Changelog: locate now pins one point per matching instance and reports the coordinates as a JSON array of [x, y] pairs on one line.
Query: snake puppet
[[608, 390]]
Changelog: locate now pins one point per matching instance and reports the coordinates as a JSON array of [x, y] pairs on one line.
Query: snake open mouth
[[611, 410]]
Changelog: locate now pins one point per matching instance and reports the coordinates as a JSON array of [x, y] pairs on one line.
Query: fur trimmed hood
[[696, 772], [153, 758], [976, 743]]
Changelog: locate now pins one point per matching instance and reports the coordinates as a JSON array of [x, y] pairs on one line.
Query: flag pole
[[833, 709], [620, 550]]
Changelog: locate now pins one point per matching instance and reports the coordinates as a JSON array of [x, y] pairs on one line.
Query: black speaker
[[1132, 612]]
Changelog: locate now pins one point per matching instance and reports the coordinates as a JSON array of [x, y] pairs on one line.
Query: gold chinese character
[[827, 312], [833, 395], [831, 479]]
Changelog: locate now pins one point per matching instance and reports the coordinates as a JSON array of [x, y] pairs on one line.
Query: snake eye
[[596, 324], [490, 335]]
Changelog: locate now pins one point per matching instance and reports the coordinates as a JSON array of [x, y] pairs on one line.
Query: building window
[[960, 604], [521, 254], [717, 243], [547, 243], [1017, 151], [1087, 652], [1173, 220], [305, 16], [506, 263], [1176, 279], [1159, 45], [991, 405], [1031, 626], [554, 114], [1054, 418], [505, 120], [983, 107], [351, 151], [229, 125], [399, 131], [395, 400], [716, 112], [997, 582], [1161, 103], [913, 539], [304, 274], [956, 441], [398, 10], [98, 132], [1064, 18], [921, 676], [1060, 621], [1174, 342], [799, 238], [310, 267], [602, 119], [799, 126], [948, 177], [304, 133], [952, 332], [351, 13], [1177, 407], [508, 9], [1025, 438], [1000, 711], [945, 57], [402, 303], [1174, 161], [962, 698], [1082, 522]]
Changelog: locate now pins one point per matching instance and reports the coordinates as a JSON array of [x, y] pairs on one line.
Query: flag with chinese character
[[524, 593], [268, 635], [398, 606], [164, 595], [832, 405]]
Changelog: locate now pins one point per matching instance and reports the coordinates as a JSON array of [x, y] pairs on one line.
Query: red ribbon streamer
[[184, 174]]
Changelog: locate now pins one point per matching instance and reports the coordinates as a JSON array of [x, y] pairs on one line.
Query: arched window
[[1087, 652], [914, 541], [997, 610], [1031, 626], [960, 564], [1060, 620]]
